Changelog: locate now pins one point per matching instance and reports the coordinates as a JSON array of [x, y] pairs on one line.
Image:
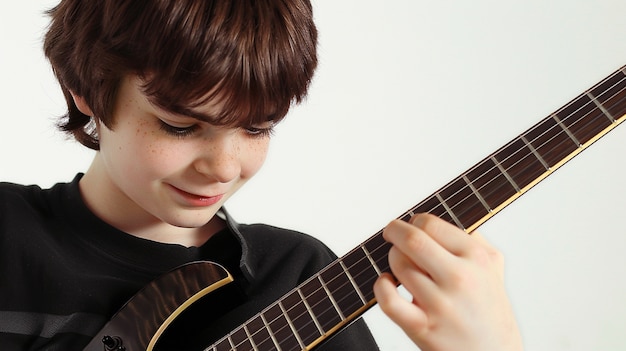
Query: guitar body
[[159, 316]]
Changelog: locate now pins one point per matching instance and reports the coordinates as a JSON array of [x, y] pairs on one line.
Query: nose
[[219, 159]]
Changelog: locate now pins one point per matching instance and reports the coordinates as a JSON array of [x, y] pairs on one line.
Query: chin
[[196, 220]]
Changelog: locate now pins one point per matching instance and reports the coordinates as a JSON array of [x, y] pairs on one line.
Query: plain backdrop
[[408, 95]]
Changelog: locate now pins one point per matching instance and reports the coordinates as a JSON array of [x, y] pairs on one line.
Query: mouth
[[196, 200]]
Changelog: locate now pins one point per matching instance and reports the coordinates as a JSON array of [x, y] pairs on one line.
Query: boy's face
[[156, 167]]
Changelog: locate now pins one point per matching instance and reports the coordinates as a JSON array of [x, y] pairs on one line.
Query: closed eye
[[257, 132], [176, 131]]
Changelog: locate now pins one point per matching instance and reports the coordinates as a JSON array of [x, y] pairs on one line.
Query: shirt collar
[[235, 229]]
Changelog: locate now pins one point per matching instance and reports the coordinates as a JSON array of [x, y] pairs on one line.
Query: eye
[[176, 131], [260, 132]]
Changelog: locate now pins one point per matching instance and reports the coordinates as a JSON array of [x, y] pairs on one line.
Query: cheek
[[152, 157], [253, 157]]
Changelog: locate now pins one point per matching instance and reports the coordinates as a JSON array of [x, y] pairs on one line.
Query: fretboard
[[344, 289]]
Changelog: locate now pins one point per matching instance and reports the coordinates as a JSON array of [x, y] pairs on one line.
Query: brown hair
[[256, 57]]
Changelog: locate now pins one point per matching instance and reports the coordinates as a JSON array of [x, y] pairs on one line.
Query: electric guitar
[[342, 291]]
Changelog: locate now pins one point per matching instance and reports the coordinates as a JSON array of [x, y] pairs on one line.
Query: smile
[[195, 200]]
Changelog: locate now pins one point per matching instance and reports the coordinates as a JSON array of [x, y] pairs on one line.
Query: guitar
[[342, 291]]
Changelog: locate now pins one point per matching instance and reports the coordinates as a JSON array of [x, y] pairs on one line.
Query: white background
[[408, 95]]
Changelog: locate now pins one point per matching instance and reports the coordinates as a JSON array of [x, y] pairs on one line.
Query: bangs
[[251, 58]]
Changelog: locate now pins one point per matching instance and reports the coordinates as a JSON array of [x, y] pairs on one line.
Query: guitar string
[[375, 249], [556, 126], [561, 132], [481, 175]]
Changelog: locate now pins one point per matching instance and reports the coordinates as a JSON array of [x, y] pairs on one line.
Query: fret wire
[[449, 211], [310, 310], [231, 342], [368, 256], [332, 299], [356, 288], [290, 323], [566, 130], [506, 174], [477, 194], [245, 328], [267, 326], [534, 152], [601, 107]]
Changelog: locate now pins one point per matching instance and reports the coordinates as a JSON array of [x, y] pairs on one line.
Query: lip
[[195, 200]]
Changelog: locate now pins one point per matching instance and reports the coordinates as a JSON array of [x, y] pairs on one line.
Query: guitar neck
[[344, 289]]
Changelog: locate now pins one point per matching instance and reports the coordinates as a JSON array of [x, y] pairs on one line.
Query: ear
[[82, 105]]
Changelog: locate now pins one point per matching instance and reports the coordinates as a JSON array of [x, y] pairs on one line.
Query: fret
[[583, 118], [231, 343], [505, 174], [241, 341], [535, 153], [223, 345], [339, 290], [258, 331], [599, 105], [564, 128], [321, 305], [354, 285], [407, 215], [300, 318], [371, 260], [476, 193], [282, 328], [250, 339], [363, 271], [517, 163], [492, 182], [611, 94], [310, 310], [459, 198], [549, 141], [267, 326], [433, 206], [378, 249], [449, 211]]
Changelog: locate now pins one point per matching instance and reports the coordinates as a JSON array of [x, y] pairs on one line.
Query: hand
[[457, 284]]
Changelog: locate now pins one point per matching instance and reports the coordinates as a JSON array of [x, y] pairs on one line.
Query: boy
[[179, 98]]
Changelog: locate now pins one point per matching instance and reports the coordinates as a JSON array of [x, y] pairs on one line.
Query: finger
[[447, 235], [417, 282], [420, 248], [486, 253], [410, 317]]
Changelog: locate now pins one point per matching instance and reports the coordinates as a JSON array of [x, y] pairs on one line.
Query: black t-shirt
[[64, 272]]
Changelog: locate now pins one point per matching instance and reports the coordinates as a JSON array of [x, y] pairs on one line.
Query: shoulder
[[14, 196], [268, 248], [276, 241], [268, 235]]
